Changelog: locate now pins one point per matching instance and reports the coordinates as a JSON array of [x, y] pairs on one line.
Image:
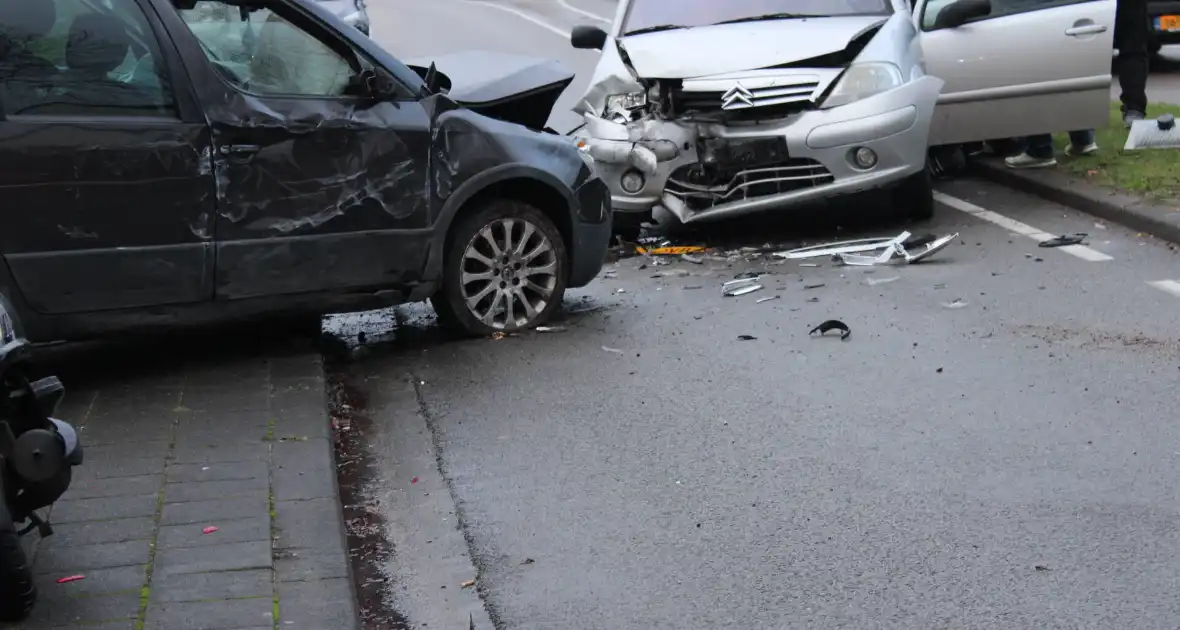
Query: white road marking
[[1023, 229], [522, 15], [569, 7], [1167, 286]]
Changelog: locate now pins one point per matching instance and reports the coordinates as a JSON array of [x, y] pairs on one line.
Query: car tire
[[17, 591], [915, 196], [539, 280]]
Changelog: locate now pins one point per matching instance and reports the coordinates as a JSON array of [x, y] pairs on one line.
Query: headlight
[[630, 101], [863, 80]]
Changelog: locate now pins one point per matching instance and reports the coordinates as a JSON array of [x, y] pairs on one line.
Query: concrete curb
[[1134, 212]]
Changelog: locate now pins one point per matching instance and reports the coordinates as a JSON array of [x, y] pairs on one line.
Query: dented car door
[[104, 161], [1023, 67], [320, 186]]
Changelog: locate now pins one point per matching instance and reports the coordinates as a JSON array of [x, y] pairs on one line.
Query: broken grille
[[700, 190]]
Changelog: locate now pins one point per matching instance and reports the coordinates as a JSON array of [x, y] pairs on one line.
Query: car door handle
[[239, 149], [1088, 29]]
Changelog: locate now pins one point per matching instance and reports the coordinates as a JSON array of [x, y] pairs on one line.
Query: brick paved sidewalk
[[241, 445]]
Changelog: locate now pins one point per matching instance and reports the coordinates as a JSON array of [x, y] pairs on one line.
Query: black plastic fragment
[[1065, 239], [832, 324], [746, 337]]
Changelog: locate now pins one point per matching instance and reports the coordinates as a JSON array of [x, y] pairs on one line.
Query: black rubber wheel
[[512, 258], [17, 591], [914, 196]]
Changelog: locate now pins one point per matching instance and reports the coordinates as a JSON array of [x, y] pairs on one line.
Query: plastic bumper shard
[[893, 250]]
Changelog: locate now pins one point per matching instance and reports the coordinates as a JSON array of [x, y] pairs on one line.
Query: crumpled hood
[[709, 50]]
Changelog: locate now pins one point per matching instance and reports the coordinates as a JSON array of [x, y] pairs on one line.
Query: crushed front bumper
[[816, 160]]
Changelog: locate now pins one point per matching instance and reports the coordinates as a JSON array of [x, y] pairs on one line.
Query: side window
[[81, 57], [261, 52]]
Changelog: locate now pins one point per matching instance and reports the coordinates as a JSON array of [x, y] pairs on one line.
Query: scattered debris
[[746, 337], [872, 282], [1065, 239], [498, 336], [674, 250], [414, 480], [741, 286], [955, 304], [209, 530], [813, 286], [746, 275], [896, 249], [468, 584], [671, 273], [612, 350], [814, 299], [528, 561], [766, 299], [830, 325], [693, 286], [939, 370], [841, 247], [696, 260], [808, 265], [550, 329], [70, 578], [1041, 567]]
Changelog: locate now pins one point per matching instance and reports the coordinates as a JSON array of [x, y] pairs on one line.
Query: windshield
[[644, 15]]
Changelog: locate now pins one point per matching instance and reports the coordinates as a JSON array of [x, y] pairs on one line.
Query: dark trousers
[[1131, 33], [1041, 145]]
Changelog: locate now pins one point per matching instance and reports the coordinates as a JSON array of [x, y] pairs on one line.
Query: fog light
[[632, 182], [865, 158]]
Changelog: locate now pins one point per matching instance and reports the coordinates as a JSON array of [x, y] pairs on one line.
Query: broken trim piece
[[842, 247], [850, 252]]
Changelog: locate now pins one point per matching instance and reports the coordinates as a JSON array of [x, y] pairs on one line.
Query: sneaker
[[1025, 160], [1071, 150], [1130, 116]]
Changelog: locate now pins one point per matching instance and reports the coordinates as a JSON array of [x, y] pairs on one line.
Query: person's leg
[[1038, 153], [1131, 32], [1081, 142]]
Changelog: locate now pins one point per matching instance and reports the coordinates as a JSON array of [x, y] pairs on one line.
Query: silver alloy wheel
[[508, 273]]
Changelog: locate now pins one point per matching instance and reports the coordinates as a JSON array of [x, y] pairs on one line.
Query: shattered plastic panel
[[106, 214]]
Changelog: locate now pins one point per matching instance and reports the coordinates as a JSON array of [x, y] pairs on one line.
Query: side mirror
[[960, 12], [436, 82], [588, 37]]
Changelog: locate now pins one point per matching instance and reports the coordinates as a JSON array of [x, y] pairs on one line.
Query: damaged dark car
[[180, 162]]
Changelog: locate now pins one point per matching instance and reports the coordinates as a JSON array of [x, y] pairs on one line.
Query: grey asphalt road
[[995, 445]]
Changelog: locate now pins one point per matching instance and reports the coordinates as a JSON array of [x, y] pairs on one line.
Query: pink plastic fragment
[[414, 480], [209, 530], [70, 578]]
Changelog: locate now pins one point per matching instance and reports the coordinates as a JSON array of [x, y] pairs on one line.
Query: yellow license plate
[[1170, 22]]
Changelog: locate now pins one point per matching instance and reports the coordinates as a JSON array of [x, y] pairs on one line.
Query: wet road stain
[[369, 550]]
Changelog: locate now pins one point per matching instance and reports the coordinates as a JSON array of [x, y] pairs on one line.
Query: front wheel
[[17, 591], [504, 270], [915, 196]]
